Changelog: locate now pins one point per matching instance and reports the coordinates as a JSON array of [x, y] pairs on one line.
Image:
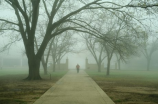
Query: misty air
[[78, 52]]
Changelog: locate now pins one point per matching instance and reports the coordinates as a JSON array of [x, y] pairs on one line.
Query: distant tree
[[10, 39], [118, 61], [122, 34], [26, 24], [148, 47], [61, 46], [27, 28], [96, 49]]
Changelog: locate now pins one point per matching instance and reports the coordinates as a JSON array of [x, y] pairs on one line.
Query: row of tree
[[61, 16], [127, 41], [121, 34], [58, 47]]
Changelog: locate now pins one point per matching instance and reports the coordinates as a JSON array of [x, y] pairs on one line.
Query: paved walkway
[[75, 88]]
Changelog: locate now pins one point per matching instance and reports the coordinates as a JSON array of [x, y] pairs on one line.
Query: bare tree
[[43, 59], [122, 34], [26, 24], [27, 28], [38, 39], [96, 49], [61, 46], [149, 46]]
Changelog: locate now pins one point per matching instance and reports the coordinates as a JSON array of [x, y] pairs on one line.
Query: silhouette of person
[[78, 68]]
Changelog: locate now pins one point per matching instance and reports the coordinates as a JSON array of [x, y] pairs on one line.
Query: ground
[[15, 90], [129, 87], [123, 87]]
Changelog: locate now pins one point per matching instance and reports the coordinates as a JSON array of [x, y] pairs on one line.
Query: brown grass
[[126, 91], [14, 90]]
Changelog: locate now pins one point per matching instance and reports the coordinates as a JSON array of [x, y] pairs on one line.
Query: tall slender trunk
[[54, 64], [45, 69], [119, 64], [148, 64], [59, 64], [108, 67], [44, 64], [99, 67]]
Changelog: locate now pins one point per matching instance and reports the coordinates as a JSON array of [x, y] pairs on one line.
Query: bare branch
[[9, 22], [8, 45], [10, 29], [45, 6], [142, 6]]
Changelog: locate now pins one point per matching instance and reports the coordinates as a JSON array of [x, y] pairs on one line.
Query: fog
[[139, 63], [16, 57], [16, 52], [13, 57], [78, 51]]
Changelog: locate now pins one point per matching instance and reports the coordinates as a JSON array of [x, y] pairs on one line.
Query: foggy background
[[15, 57]]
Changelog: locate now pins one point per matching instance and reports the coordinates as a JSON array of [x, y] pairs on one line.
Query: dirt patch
[[14, 90], [126, 92]]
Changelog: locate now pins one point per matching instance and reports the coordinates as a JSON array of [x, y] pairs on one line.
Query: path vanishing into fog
[[75, 88]]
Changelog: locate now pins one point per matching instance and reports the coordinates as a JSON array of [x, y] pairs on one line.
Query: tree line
[[61, 16]]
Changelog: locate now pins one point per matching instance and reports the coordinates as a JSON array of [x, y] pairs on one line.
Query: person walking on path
[[78, 68]]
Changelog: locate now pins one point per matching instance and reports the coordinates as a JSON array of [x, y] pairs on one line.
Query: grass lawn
[[128, 87], [4, 72], [15, 90], [57, 73]]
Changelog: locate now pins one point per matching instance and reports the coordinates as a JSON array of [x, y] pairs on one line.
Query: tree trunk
[[44, 64], [54, 63], [45, 68], [99, 67], [54, 66], [59, 65], [119, 65], [108, 67], [148, 64], [34, 65]]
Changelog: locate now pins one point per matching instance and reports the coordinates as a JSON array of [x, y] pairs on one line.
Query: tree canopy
[[29, 14]]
